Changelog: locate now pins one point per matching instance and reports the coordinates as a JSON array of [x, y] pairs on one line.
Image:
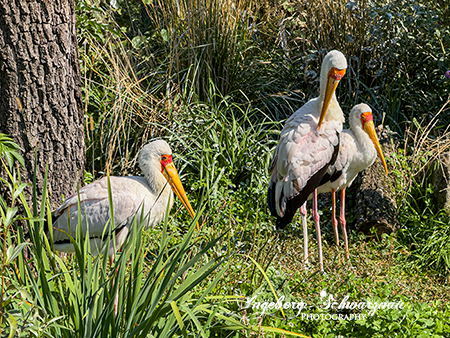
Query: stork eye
[[363, 116], [164, 158]]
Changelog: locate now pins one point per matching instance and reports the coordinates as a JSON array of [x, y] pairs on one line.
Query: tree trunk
[[376, 205], [40, 91]]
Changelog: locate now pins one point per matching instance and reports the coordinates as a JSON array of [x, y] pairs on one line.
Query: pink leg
[[305, 233], [116, 298], [316, 218], [116, 303], [120, 239], [343, 222], [333, 216]]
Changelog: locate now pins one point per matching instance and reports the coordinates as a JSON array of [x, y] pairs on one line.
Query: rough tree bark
[[376, 205], [40, 90]]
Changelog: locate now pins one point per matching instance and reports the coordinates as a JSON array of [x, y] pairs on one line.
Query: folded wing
[[301, 159]]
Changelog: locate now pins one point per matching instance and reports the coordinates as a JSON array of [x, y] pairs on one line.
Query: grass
[[44, 294], [373, 273], [223, 130], [217, 81]]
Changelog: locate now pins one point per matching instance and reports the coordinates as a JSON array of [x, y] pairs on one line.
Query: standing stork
[[358, 150], [133, 196], [309, 144]]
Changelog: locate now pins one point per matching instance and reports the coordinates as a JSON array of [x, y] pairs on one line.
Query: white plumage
[[303, 148], [358, 150], [308, 144], [133, 195]]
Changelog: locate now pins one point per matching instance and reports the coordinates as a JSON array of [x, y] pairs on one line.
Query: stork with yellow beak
[[359, 147], [309, 144], [133, 196]]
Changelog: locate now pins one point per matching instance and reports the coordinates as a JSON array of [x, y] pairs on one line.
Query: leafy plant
[[10, 150], [214, 78], [78, 295], [147, 291]]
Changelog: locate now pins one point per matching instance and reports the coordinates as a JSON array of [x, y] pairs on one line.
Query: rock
[[440, 178]]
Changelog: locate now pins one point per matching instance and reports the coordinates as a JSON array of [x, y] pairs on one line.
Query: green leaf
[[137, 41], [12, 325], [165, 35], [9, 149], [177, 314], [13, 252], [10, 212], [19, 190]]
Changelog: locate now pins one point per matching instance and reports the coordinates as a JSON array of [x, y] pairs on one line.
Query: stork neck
[[366, 148], [323, 85], [156, 179]]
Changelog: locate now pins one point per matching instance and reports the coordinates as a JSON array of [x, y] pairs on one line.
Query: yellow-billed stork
[[309, 144], [132, 196], [358, 150]]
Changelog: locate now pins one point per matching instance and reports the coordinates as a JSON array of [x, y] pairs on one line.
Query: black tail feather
[[271, 199]]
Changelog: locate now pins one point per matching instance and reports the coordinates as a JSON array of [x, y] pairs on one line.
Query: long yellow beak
[[334, 76], [171, 175], [369, 128]]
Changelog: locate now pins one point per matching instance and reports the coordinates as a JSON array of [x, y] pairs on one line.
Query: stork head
[[363, 113], [157, 156], [333, 69]]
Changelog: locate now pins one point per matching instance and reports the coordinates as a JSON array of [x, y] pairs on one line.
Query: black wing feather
[[296, 202]]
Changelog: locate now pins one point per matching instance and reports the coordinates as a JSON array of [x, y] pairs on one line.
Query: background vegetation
[[217, 79]]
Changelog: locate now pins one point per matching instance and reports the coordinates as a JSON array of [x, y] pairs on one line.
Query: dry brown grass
[[128, 113], [316, 25], [423, 148], [206, 41]]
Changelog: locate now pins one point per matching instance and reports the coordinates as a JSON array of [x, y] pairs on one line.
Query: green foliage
[[412, 61], [77, 296], [396, 51], [228, 141], [424, 229], [214, 79], [148, 291], [373, 275], [10, 150]]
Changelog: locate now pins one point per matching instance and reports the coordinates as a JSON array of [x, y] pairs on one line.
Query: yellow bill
[[369, 128], [334, 76], [171, 175]]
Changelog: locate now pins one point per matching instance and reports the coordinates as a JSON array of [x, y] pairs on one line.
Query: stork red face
[[334, 76], [369, 128], [170, 173]]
